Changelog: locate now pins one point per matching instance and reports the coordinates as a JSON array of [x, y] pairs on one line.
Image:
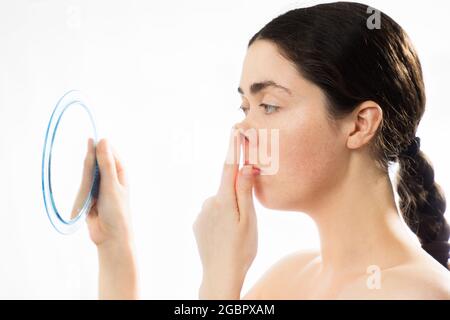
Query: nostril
[[246, 149]]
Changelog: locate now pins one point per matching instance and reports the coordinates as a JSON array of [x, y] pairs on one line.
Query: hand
[[226, 229], [109, 224], [109, 218]]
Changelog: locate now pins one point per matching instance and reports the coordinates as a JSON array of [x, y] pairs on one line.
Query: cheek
[[308, 164]]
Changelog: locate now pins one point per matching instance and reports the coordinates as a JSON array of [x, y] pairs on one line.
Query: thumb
[[244, 192]]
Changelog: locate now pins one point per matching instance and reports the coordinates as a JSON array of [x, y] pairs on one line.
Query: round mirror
[[70, 176]]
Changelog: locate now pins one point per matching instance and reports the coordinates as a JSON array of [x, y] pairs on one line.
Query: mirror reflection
[[73, 156]]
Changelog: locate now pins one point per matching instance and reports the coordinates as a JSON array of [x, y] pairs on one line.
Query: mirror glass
[[69, 168]]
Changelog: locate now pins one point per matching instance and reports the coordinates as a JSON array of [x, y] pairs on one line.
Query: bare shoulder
[[412, 281], [419, 281], [276, 278]]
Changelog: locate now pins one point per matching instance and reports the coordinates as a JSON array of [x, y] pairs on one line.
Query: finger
[[120, 169], [244, 192], [106, 162], [231, 165]]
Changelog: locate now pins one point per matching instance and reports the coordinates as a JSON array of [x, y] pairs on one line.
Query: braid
[[422, 203]]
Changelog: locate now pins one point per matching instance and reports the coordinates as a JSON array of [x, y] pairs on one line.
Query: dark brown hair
[[333, 47]]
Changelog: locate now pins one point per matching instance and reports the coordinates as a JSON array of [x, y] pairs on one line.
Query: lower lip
[[256, 170]]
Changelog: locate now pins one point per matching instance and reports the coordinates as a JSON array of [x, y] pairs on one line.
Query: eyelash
[[262, 105]]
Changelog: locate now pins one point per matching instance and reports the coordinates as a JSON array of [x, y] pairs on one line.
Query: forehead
[[263, 62]]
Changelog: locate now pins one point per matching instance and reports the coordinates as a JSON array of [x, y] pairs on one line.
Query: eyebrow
[[259, 86]]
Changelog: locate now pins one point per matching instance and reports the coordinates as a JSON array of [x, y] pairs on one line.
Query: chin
[[267, 198], [275, 197]]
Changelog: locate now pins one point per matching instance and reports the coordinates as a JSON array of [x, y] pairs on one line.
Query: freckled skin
[[309, 160], [325, 163]]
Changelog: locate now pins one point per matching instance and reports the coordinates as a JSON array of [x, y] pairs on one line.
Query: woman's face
[[310, 159]]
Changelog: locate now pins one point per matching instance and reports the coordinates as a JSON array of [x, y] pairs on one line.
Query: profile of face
[[276, 96]]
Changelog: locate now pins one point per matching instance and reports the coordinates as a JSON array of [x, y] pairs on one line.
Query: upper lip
[[246, 162]]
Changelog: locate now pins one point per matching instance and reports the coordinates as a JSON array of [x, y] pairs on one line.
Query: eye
[[268, 108], [244, 109]]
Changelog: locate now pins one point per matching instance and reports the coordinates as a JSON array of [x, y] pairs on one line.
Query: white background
[[162, 79]]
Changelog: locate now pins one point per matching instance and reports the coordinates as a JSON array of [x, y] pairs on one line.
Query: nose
[[245, 127]]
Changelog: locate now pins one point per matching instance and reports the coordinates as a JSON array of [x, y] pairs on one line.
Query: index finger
[[231, 165]]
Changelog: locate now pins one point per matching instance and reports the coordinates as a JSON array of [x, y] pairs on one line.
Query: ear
[[364, 123]]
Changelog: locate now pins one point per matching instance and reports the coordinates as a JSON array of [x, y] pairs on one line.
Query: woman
[[346, 100]]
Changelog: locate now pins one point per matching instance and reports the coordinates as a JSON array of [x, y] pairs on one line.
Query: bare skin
[[109, 224], [327, 172], [300, 275]]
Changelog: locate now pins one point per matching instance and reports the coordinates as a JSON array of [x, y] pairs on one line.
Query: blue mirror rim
[[69, 99]]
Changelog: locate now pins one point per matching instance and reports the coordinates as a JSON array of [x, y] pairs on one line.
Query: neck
[[360, 225]]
